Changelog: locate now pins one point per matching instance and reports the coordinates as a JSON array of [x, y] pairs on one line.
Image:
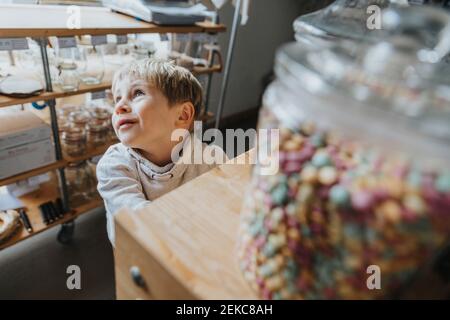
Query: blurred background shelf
[[6, 101]]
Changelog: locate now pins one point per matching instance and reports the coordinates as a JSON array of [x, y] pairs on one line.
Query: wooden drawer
[[155, 281]]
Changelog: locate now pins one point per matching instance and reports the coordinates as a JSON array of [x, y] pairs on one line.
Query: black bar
[[44, 214], [25, 220]]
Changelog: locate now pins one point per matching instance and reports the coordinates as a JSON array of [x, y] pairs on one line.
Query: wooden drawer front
[[159, 284]]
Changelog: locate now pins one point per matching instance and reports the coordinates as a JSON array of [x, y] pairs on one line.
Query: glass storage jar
[[80, 183], [364, 179], [103, 116], [98, 132], [91, 63], [64, 111], [73, 141], [352, 20], [79, 118], [69, 79]]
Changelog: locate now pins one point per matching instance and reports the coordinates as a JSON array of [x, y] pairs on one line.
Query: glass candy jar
[[364, 170], [343, 19]]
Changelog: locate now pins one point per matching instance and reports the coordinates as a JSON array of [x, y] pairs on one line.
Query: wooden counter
[[184, 242]]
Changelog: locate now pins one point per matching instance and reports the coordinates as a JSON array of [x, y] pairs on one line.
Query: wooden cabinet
[[183, 244]]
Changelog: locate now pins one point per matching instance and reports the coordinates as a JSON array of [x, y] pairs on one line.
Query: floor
[[36, 268]]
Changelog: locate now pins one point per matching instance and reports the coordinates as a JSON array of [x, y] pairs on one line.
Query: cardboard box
[[26, 157], [21, 127]]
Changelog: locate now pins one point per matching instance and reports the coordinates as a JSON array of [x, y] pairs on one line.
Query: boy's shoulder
[[117, 150], [116, 155]]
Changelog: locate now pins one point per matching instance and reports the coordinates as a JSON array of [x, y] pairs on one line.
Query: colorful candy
[[334, 209]]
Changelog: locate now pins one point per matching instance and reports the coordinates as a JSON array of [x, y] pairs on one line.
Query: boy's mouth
[[126, 123]]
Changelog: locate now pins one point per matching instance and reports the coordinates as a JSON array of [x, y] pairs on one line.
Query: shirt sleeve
[[118, 185]]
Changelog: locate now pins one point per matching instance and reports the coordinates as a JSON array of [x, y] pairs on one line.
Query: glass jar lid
[[393, 90], [345, 19], [100, 113], [79, 117], [97, 126]]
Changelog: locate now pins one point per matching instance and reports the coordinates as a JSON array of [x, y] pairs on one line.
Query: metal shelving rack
[[41, 22]]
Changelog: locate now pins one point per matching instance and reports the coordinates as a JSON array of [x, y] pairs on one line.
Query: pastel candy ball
[[339, 195], [362, 200], [279, 194], [321, 159], [328, 175], [443, 183]]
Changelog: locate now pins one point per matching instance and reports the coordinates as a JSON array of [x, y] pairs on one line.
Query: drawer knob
[[135, 273]]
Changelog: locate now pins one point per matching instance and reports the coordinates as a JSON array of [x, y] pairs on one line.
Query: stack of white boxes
[[25, 143]]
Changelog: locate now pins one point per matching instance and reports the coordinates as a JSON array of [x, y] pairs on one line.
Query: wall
[[269, 26]]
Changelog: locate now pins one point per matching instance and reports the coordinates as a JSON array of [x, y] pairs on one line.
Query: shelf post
[[223, 91], [209, 77], [54, 121]]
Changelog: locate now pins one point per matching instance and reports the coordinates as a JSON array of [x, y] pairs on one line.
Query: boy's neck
[[162, 157]]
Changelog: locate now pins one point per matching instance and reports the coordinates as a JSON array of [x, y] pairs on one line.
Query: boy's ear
[[186, 115]]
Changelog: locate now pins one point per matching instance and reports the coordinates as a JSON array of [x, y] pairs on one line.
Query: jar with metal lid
[[103, 115], [98, 132], [362, 190], [354, 20], [73, 141], [80, 183], [64, 111], [79, 118]]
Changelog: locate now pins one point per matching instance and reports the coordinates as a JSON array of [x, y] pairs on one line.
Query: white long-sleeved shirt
[[127, 179]]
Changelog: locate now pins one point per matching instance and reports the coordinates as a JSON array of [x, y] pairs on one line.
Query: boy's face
[[142, 116]]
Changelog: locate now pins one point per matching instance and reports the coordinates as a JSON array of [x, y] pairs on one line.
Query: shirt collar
[[166, 172]]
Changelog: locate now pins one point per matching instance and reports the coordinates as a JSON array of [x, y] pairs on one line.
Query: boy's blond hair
[[176, 83]]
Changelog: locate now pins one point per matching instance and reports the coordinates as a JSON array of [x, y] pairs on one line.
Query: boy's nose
[[122, 108]]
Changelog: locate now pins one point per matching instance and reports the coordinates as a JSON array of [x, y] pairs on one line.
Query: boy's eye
[[138, 93], [117, 99]]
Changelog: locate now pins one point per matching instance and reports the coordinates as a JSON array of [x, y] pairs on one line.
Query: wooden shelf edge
[[34, 172], [8, 101], [150, 28]]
